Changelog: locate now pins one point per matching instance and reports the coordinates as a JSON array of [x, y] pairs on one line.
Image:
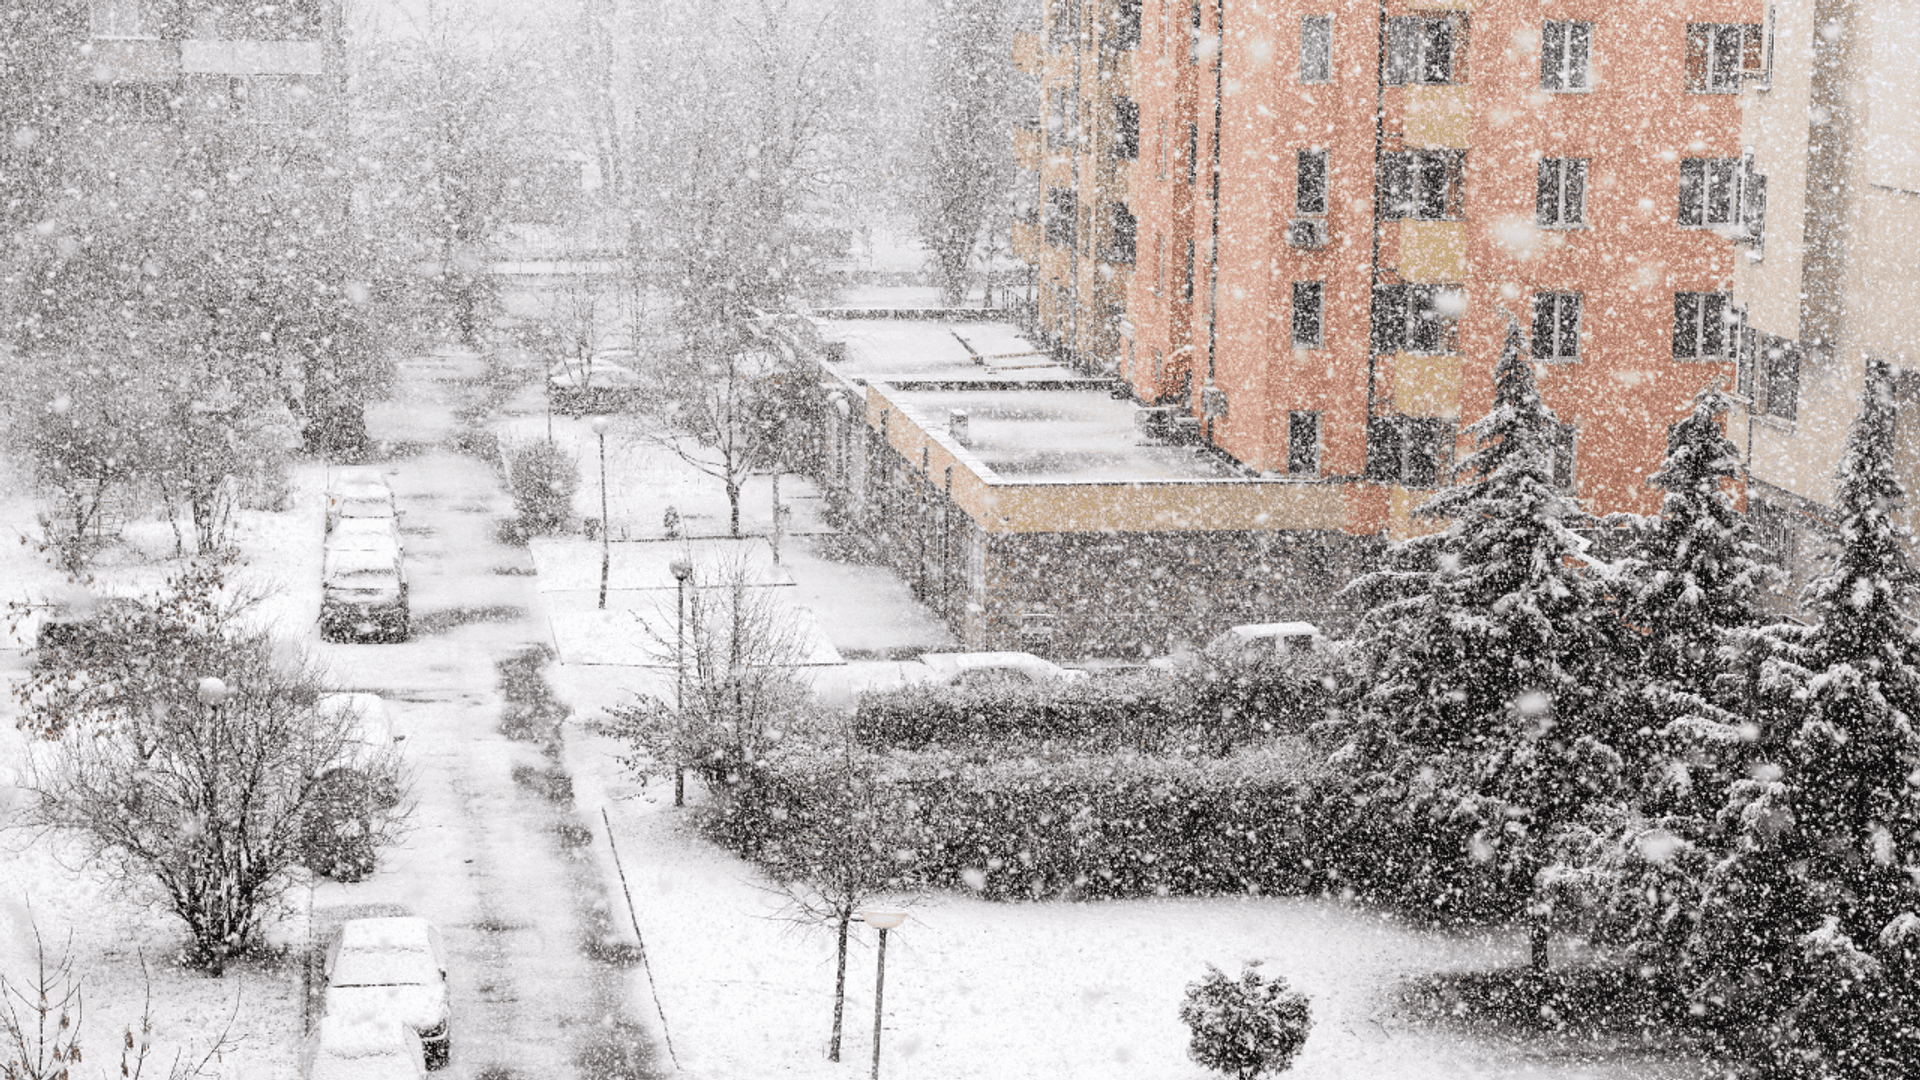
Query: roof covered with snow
[[880, 349]]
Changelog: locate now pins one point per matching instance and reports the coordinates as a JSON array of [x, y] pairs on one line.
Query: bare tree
[[187, 755], [966, 165], [737, 694], [41, 1020]]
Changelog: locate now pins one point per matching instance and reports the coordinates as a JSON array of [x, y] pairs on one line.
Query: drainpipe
[[1379, 154], [1213, 209]]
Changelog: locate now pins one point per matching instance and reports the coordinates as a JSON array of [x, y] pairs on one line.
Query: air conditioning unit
[[1307, 234]]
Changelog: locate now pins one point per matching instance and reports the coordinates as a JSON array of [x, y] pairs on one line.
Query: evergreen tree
[[1809, 943], [1479, 707]]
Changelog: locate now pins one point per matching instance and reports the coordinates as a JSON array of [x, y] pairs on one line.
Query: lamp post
[[682, 569], [882, 921], [599, 426], [212, 693]]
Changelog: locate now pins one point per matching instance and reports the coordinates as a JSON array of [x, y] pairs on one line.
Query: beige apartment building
[[1827, 279]]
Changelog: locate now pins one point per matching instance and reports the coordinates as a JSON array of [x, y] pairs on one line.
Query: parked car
[[359, 494], [363, 533], [975, 670], [392, 967], [602, 383], [372, 1046], [1251, 642], [363, 780], [363, 594]]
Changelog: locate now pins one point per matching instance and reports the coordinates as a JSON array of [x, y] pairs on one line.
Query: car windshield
[[384, 967]]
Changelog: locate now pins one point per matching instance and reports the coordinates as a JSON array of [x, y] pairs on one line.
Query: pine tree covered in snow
[[1809, 943], [1478, 705]]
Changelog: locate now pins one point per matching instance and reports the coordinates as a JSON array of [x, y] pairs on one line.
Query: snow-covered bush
[[542, 479], [1083, 825], [1132, 710], [1245, 1027]]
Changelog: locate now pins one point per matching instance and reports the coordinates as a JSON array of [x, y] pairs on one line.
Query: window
[[1556, 326], [1426, 50], [1159, 264], [1160, 151], [1060, 127], [1566, 56], [1702, 323], [1126, 26], [1719, 53], [1563, 450], [1193, 46], [1186, 276], [1560, 201], [1769, 373], [1310, 183], [1063, 212], [1709, 191], [1193, 152], [1427, 185], [1410, 451], [1316, 49], [135, 103], [117, 19], [1065, 24], [1309, 330], [1752, 226], [1303, 444], [1126, 129], [1123, 236], [1421, 319]]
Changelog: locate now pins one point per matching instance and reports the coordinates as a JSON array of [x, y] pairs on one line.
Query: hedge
[[1149, 711], [1084, 826]]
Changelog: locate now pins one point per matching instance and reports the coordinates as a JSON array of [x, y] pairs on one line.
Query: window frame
[[1562, 183], [1317, 31], [1563, 67], [1563, 345], [1062, 205], [1393, 445], [1316, 292], [1710, 181], [1412, 301], [1312, 163], [1705, 67], [1693, 325], [1399, 68], [1126, 128], [1123, 235], [1303, 453], [1419, 168]]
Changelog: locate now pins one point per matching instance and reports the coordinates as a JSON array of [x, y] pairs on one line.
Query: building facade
[[1831, 145], [1338, 206]]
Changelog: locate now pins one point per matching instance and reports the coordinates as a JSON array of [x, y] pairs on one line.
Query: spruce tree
[[1810, 929], [1479, 705]]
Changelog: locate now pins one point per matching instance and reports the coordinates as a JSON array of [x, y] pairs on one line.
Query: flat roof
[[882, 349], [1056, 435]]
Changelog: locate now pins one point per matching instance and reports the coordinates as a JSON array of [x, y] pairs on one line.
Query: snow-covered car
[[363, 594], [363, 780], [602, 383], [369, 1047], [392, 968], [363, 534], [359, 494], [975, 670], [1248, 643]]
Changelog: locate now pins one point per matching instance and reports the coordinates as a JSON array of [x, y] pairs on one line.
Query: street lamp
[[599, 426], [212, 692], [682, 569], [882, 921]]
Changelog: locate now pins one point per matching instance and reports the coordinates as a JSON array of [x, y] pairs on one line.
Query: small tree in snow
[[1480, 667], [1809, 939], [204, 794], [1245, 1028]]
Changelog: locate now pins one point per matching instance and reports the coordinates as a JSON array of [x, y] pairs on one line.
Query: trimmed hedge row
[[1148, 711], [1085, 826]]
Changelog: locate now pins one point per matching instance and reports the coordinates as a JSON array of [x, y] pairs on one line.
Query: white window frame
[[1702, 303], [1563, 346], [1558, 72], [1711, 175], [1722, 78], [1564, 172], [1316, 31]]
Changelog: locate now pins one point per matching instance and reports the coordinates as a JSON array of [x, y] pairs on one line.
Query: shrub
[[1128, 710], [1086, 825], [1245, 1028], [542, 479]]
